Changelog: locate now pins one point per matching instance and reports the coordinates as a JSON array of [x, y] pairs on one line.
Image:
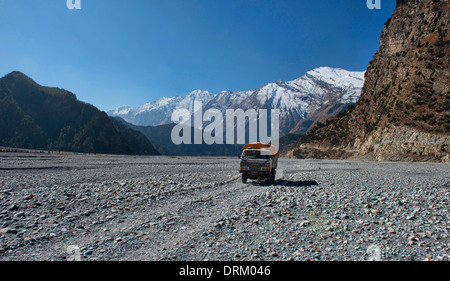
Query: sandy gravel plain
[[100, 207]]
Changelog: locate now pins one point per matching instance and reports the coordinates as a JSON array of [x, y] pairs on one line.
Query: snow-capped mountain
[[159, 112], [323, 88]]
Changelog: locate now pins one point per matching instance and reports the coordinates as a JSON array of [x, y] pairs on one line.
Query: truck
[[259, 161]]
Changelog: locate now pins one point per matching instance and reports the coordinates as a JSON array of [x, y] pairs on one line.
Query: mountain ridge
[[49, 118], [296, 99]]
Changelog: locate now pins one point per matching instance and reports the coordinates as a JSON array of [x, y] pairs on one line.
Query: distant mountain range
[[38, 117], [160, 137], [312, 98]]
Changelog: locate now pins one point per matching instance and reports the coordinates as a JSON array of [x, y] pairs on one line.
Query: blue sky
[[116, 52]]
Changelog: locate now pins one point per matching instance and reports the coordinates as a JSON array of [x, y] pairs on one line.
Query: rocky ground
[[95, 207]]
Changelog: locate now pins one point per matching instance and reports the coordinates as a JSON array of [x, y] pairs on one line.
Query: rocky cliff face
[[403, 112]]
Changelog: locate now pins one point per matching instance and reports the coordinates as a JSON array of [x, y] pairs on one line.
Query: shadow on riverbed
[[294, 183], [289, 183]]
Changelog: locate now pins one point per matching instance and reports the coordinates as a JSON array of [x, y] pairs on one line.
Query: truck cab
[[259, 161]]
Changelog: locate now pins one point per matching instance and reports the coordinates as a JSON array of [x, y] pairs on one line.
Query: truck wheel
[[273, 175], [269, 178], [244, 178]]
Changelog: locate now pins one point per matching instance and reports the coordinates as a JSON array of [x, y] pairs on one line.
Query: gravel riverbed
[[99, 207]]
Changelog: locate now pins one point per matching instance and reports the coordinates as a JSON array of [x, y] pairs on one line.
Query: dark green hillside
[[38, 117]]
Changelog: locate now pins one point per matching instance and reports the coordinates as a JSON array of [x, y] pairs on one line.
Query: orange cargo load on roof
[[259, 145]]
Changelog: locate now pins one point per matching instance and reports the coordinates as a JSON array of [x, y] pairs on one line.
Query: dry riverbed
[[97, 207]]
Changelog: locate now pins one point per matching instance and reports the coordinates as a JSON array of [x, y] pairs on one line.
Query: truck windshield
[[254, 154]]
